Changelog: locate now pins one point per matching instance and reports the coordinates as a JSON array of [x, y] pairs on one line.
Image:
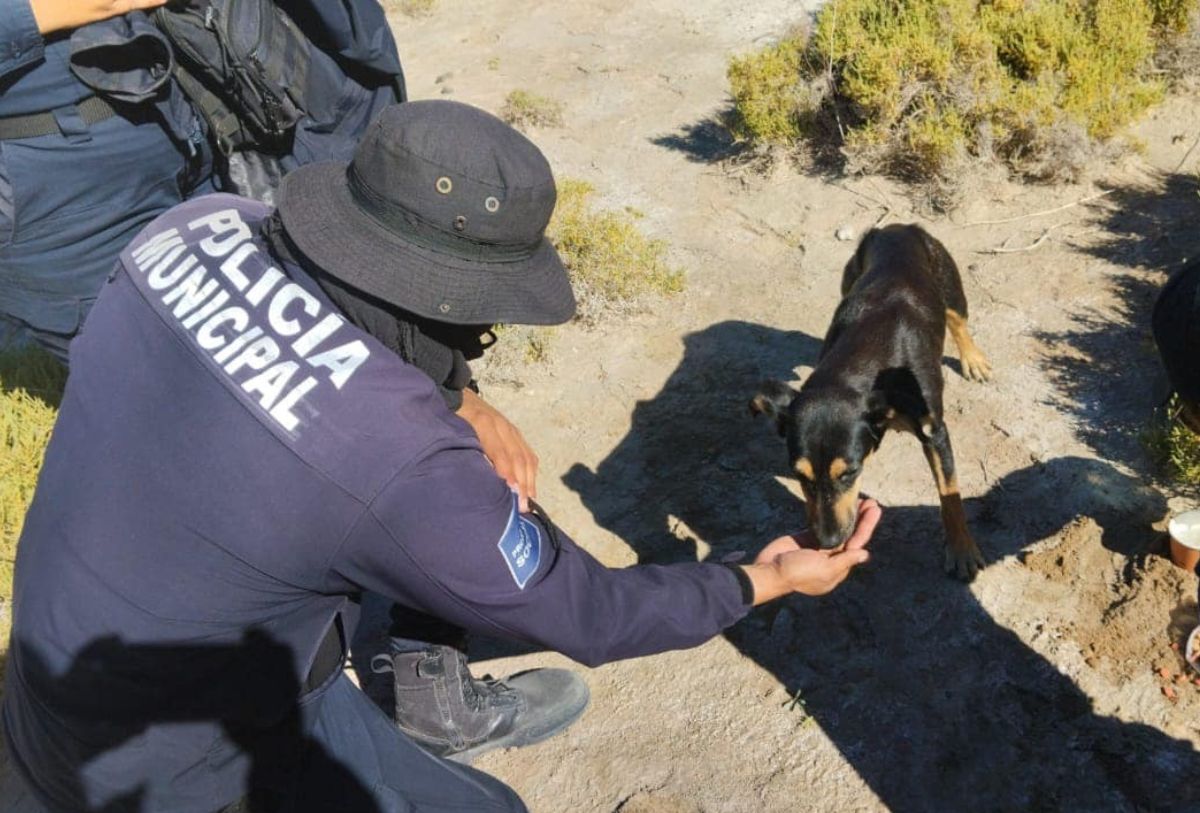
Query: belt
[[92, 110]]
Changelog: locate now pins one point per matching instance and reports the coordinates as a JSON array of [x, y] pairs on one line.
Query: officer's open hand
[[793, 564], [61, 15], [504, 446]]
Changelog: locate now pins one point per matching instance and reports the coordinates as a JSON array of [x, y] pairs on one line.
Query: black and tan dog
[[880, 368]]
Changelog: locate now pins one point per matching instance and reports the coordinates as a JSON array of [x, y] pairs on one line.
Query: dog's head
[[830, 434]]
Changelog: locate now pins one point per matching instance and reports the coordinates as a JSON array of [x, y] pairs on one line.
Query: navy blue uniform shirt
[[233, 465]]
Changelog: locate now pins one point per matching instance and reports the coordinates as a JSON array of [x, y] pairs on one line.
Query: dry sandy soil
[[1038, 687]]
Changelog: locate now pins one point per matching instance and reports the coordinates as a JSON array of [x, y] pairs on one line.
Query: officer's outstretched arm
[[444, 536]]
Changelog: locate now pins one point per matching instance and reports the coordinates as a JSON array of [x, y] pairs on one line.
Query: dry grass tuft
[[31, 385], [614, 268], [412, 8], [918, 88], [523, 110], [612, 263]]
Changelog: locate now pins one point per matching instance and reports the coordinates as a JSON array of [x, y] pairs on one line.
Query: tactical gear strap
[[91, 110]]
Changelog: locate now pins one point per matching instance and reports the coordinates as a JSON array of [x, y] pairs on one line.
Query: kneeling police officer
[[259, 427]]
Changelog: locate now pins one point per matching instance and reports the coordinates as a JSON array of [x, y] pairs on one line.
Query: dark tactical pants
[[69, 203]]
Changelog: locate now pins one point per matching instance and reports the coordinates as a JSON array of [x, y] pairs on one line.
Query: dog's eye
[[848, 475]]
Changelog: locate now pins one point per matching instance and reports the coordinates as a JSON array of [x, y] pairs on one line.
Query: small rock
[[445, 77], [1169, 692], [447, 90], [844, 233], [1164, 673], [1092, 661]]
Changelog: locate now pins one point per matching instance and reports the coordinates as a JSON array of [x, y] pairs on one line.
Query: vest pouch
[[248, 54]]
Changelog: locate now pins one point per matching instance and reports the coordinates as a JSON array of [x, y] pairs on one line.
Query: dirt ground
[[1038, 687]]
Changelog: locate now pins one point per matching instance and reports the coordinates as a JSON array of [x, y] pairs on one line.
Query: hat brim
[[325, 223]]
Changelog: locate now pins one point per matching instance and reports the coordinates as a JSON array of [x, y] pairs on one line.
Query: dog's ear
[[772, 400]]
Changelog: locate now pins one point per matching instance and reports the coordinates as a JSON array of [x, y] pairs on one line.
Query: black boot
[[451, 714]]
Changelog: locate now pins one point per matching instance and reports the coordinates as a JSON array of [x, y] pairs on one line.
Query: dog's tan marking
[[804, 468], [975, 365], [963, 558], [945, 485], [837, 468], [845, 507]]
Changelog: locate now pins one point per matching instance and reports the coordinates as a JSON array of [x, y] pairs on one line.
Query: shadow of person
[[931, 701], [158, 701], [691, 466]]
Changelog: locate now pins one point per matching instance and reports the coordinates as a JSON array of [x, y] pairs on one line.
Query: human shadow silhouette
[[934, 704], [258, 724]]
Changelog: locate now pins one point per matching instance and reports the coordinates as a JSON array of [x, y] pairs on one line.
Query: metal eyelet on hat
[[444, 185], [444, 307], [460, 222], [491, 204]]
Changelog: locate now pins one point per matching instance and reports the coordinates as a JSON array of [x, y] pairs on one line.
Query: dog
[[880, 368], [1176, 325]]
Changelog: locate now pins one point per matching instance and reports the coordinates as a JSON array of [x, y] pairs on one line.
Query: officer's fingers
[[531, 473], [869, 513], [133, 5], [842, 563]]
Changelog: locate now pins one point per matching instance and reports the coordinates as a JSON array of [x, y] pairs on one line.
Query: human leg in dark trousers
[[450, 713], [358, 762]]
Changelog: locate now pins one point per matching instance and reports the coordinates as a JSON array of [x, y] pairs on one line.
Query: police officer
[[97, 139], [254, 433]]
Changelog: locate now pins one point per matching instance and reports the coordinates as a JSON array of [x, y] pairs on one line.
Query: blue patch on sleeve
[[521, 546]]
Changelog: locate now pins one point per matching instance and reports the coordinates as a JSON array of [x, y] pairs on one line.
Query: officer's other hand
[[61, 15], [504, 446], [792, 564]]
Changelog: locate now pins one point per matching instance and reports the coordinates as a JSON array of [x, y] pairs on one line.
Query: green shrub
[[917, 86], [31, 385], [1173, 446]]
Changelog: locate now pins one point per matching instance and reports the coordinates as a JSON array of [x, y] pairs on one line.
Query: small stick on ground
[[1003, 249], [1064, 207], [1187, 154]]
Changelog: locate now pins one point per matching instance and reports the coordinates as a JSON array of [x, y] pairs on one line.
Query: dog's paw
[[964, 563], [976, 367]]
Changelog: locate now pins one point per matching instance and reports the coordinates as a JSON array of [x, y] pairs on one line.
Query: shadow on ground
[[1105, 366], [706, 141], [933, 703]]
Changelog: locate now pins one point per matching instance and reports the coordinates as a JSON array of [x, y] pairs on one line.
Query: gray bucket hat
[[442, 212]]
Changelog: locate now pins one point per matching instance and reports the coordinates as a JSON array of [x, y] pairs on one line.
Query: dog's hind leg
[[963, 558], [975, 365]]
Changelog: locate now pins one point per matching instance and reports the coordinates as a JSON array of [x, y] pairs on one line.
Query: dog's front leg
[[963, 558]]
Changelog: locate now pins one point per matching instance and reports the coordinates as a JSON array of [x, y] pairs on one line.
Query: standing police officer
[[254, 433], [97, 138]]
